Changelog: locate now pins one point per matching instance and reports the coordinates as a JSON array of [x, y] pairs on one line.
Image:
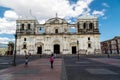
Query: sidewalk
[[36, 70]]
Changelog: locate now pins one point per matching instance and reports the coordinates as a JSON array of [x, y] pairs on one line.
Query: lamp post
[[107, 48], [14, 59], [117, 48], [108, 54], [78, 49]]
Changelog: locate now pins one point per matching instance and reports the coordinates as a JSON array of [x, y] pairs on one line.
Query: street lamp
[[78, 48], [117, 48], [14, 59], [107, 48]]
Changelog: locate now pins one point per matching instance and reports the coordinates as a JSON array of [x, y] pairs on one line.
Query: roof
[[28, 18], [116, 37], [56, 20]]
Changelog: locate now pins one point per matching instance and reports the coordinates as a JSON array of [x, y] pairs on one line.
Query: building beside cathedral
[[55, 36], [111, 46]]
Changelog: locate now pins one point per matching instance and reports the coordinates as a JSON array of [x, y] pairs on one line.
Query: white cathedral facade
[[54, 36]]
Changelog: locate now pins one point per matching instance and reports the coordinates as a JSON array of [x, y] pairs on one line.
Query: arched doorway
[[39, 50], [74, 50], [57, 48]]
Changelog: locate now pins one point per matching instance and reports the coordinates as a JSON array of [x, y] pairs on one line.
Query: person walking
[[51, 60], [54, 55], [26, 59]]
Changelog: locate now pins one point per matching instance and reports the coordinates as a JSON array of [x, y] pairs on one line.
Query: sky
[[107, 11]]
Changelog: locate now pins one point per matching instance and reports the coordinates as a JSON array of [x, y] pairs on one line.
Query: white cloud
[[99, 13], [42, 21], [41, 9], [5, 40], [10, 15], [73, 27], [105, 4], [44, 9], [8, 22]]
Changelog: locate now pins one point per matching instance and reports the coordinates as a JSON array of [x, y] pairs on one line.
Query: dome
[[56, 20]]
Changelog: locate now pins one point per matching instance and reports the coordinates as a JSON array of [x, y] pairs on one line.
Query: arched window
[[22, 26], [56, 30], [89, 45], [28, 25], [91, 25], [24, 46], [41, 29], [88, 38], [24, 39], [84, 26]]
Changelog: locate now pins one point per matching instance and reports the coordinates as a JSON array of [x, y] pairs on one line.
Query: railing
[[24, 31]]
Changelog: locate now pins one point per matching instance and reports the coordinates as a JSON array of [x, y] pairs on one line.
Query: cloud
[[41, 9], [42, 21], [10, 15], [5, 40], [105, 5], [8, 22], [44, 9], [99, 13]]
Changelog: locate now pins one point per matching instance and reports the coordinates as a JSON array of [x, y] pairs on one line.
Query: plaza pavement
[[66, 68], [36, 70], [110, 61], [92, 68]]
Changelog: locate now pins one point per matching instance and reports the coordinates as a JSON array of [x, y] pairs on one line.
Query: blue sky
[[108, 12]]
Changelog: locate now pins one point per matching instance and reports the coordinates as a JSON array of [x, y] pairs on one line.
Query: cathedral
[[55, 36]]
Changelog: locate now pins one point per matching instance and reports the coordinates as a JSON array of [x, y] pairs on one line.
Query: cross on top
[[56, 15]]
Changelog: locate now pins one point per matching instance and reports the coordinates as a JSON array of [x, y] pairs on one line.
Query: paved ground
[[65, 68], [36, 70], [92, 68], [6, 61]]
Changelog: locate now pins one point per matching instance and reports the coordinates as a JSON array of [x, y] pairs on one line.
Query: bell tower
[[87, 24], [25, 26]]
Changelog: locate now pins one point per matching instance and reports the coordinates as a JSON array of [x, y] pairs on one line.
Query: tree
[[10, 48]]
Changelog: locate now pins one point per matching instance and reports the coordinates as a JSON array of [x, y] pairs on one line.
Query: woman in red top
[[51, 60]]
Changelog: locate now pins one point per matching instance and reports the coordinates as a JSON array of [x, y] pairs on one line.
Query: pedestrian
[[26, 59], [86, 53], [51, 60], [29, 53], [54, 55]]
